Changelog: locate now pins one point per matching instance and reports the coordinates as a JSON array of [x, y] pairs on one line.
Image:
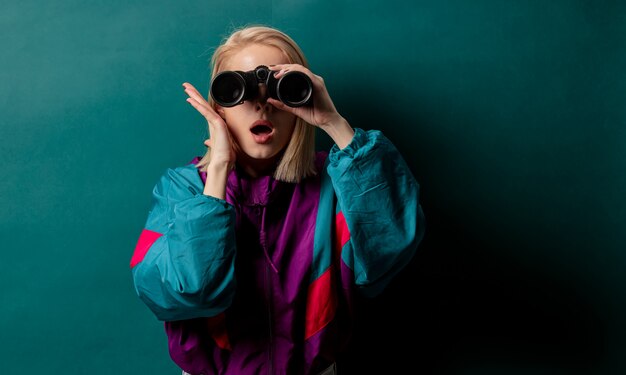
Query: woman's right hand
[[220, 141]]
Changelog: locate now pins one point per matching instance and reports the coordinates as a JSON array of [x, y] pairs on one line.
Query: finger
[[284, 66], [208, 143], [205, 110], [279, 105], [193, 93], [190, 87], [282, 69]]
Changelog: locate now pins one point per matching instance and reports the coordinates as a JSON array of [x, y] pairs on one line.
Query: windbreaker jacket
[[264, 282]]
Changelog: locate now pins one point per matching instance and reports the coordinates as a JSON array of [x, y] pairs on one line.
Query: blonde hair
[[297, 161]]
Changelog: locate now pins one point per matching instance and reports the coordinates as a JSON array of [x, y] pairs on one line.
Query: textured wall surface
[[512, 115]]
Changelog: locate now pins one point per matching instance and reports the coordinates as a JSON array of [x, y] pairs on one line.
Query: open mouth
[[262, 127]]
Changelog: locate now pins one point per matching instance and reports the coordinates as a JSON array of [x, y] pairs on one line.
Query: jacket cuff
[[359, 140]]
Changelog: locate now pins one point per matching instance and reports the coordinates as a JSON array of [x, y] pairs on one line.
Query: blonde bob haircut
[[297, 161]]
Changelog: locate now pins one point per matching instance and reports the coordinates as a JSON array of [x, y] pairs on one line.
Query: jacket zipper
[[268, 291], [269, 320]]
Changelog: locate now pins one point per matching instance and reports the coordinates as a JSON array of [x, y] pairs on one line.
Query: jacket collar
[[252, 191]]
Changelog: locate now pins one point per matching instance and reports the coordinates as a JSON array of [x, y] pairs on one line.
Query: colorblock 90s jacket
[[264, 282]]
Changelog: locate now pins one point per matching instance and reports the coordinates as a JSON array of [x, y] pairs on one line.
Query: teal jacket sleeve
[[183, 264], [379, 198]]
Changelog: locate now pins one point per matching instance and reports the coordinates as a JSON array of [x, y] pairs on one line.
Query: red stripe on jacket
[[342, 233], [321, 303], [146, 239], [217, 329], [322, 298]]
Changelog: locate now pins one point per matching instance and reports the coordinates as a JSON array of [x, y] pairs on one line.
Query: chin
[[257, 154]]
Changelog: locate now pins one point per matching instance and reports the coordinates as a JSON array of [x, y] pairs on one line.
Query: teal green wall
[[512, 114]]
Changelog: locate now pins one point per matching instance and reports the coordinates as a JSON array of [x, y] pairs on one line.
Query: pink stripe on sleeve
[[342, 232], [321, 303], [146, 239]]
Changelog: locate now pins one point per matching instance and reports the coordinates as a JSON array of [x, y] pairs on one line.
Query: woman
[[254, 254]]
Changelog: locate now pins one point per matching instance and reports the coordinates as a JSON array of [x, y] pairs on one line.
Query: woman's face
[[260, 130]]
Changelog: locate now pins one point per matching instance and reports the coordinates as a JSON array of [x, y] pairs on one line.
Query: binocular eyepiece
[[230, 88]]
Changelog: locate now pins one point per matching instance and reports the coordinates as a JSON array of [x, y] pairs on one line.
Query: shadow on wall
[[461, 306]]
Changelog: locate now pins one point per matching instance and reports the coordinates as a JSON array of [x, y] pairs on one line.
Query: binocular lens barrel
[[294, 89], [230, 88]]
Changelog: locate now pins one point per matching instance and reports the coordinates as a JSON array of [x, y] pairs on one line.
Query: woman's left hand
[[321, 112]]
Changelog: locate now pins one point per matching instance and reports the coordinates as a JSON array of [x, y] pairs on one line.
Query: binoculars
[[230, 88]]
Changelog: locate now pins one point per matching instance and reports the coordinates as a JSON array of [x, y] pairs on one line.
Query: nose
[[261, 101]]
